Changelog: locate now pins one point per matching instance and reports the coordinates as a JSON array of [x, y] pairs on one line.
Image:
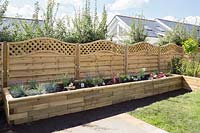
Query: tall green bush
[[190, 46], [177, 35], [137, 32], [87, 28], [190, 65], [84, 27], [4, 31]]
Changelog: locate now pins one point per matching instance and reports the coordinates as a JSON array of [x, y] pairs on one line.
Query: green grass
[[180, 114]]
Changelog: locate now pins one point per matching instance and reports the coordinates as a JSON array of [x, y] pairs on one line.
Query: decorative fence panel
[[142, 55], [101, 58], [40, 59], [45, 59], [167, 52]]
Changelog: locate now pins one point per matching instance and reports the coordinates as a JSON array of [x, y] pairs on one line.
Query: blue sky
[[168, 9]]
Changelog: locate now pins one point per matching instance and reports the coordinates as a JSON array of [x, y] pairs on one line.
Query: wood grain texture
[[45, 59], [32, 108]]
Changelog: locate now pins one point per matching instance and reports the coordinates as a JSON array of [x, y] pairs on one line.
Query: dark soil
[[76, 119]]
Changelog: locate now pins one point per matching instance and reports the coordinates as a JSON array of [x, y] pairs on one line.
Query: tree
[[137, 32], [102, 29], [178, 35], [4, 33], [83, 27], [3, 8]]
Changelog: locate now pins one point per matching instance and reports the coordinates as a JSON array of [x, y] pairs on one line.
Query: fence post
[[159, 52], [126, 60], [5, 56], [77, 62]]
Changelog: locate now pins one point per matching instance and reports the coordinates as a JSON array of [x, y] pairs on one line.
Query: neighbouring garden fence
[[44, 59]]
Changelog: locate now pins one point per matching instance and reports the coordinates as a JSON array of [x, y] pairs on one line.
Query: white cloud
[[192, 20], [110, 15], [74, 3], [24, 11], [125, 4], [189, 19], [171, 18]]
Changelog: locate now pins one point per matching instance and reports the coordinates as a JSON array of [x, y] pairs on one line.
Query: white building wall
[[114, 35]]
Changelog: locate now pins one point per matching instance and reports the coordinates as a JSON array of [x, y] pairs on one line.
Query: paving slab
[[123, 123]]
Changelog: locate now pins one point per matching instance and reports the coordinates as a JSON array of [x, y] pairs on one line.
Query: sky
[[177, 10]]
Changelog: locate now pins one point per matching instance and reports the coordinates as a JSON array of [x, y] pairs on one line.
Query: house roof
[[157, 27], [9, 21], [188, 27], [152, 28]]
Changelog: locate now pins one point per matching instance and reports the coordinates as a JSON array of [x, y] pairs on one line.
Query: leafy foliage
[[33, 84], [32, 92], [86, 28], [3, 8], [17, 90], [65, 80], [190, 46], [124, 77], [175, 65], [177, 35], [137, 32], [191, 67], [4, 32], [50, 87], [83, 28], [140, 75], [97, 81]]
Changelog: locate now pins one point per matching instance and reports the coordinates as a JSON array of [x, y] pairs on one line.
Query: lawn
[[180, 114]]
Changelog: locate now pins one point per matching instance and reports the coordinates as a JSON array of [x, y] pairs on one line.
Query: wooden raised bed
[[32, 108], [191, 83]]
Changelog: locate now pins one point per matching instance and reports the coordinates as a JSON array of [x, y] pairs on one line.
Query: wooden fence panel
[[142, 55], [40, 59], [1, 68], [46, 59], [101, 58], [167, 52], [1, 63]]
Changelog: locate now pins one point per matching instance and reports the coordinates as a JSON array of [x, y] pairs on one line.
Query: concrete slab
[[122, 123]]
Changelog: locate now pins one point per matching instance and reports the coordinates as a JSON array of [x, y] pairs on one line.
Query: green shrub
[[177, 35], [82, 28], [175, 65], [191, 67], [50, 87], [65, 80], [137, 32], [97, 81], [33, 84], [190, 46], [32, 92], [17, 90], [140, 75]]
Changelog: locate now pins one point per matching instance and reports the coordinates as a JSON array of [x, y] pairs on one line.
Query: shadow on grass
[[76, 119]]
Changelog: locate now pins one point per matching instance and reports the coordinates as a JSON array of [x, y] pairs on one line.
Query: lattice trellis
[[99, 46], [143, 48], [171, 48], [41, 44]]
